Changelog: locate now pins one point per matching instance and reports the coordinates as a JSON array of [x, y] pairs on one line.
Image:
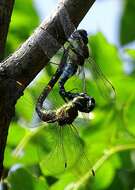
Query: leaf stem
[[107, 154]]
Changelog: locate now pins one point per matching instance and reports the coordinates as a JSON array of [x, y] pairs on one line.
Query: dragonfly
[[75, 54], [63, 119], [67, 140], [58, 145], [78, 54]]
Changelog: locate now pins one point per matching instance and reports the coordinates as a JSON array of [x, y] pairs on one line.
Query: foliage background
[[109, 133]]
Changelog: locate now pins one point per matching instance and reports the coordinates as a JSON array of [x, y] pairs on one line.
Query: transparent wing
[[65, 152], [82, 164], [83, 79], [105, 87], [54, 161]]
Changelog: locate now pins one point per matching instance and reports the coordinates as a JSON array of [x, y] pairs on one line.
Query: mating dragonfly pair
[[74, 56], [76, 53]]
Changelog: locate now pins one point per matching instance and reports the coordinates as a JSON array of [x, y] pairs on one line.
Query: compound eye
[[91, 104], [92, 101]]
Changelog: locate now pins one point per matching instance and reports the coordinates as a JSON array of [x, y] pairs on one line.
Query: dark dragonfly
[[59, 145], [64, 117], [68, 149], [78, 54], [68, 112]]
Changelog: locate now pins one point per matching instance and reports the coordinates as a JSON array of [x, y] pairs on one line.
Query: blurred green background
[[107, 133]]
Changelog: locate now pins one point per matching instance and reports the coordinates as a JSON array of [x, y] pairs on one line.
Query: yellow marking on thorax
[[49, 87], [20, 84]]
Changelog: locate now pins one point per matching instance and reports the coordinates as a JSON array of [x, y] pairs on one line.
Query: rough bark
[[17, 71]]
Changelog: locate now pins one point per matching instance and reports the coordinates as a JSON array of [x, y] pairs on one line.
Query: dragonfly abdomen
[[69, 71]]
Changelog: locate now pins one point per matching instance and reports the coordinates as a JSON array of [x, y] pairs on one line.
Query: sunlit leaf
[[25, 106]]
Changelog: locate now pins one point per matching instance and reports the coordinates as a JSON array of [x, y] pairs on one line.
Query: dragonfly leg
[[66, 95]]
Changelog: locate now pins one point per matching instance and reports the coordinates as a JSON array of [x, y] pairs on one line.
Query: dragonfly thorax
[[67, 114], [78, 47]]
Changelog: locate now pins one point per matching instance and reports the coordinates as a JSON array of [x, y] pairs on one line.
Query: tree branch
[[6, 8], [23, 65]]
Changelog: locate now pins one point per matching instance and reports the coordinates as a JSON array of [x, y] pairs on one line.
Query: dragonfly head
[[78, 41], [84, 35], [80, 34], [84, 103]]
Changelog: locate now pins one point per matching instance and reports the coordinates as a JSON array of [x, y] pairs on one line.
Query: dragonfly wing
[[82, 164], [55, 161], [83, 79], [65, 152], [105, 87]]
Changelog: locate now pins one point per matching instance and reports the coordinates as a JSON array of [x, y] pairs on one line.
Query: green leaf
[[24, 20], [21, 179], [127, 26], [15, 134], [25, 106], [105, 55], [128, 114], [103, 177], [63, 182]]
